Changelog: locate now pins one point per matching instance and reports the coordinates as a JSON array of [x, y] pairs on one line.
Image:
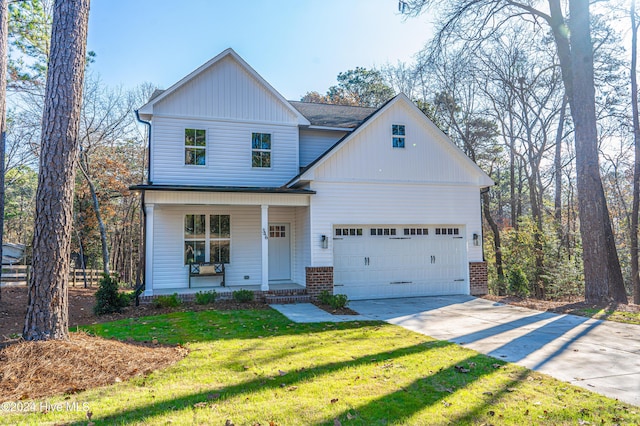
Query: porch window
[[397, 133], [195, 147], [202, 232], [194, 238], [261, 150], [220, 237]]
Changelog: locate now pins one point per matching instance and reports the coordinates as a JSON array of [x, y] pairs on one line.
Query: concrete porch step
[[278, 299]]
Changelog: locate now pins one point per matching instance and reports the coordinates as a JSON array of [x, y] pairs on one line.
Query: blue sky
[[296, 45]]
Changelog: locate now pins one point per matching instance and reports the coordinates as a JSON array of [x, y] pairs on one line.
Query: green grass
[[256, 367]]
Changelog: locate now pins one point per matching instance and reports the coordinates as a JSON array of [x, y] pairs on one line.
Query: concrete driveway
[[601, 356]]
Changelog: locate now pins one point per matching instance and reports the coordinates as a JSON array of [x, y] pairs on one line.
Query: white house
[[367, 202]]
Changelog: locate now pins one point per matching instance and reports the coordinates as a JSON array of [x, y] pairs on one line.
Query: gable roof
[[305, 174], [329, 115], [146, 111]]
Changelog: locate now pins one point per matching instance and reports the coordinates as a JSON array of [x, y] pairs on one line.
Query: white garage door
[[372, 262]]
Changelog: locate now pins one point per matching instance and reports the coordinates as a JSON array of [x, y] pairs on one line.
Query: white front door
[[279, 252]]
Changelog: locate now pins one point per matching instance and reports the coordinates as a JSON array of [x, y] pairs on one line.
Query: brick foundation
[[478, 278], [259, 295], [319, 279]]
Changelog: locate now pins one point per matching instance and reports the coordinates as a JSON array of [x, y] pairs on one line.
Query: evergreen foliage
[[108, 299]]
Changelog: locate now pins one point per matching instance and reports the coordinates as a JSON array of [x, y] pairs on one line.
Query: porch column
[[148, 261], [264, 216]]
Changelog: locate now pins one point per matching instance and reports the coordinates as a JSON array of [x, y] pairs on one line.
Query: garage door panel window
[[383, 231], [348, 232], [416, 231], [447, 231]]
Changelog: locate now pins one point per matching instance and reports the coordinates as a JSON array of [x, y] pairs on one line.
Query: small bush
[[518, 282], [325, 297], [243, 296], [169, 301], [204, 298], [336, 301], [108, 298]]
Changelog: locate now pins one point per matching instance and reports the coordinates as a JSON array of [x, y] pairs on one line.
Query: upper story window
[[397, 132], [261, 150], [195, 147]]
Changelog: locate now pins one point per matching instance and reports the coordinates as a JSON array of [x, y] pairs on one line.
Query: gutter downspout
[[143, 283]]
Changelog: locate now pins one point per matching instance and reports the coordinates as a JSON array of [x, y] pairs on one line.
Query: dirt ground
[[566, 306]]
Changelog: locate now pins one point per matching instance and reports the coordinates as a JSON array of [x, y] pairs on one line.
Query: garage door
[[399, 261]]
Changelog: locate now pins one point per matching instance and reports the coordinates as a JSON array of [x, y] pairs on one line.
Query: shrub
[[336, 301], [339, 301], [168, 301], [204, 298], [325, 297], [518, 282], [243, 296], [108, 298]]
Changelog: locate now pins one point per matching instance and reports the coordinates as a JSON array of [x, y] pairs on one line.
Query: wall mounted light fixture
[[476, 239], [325, 242]]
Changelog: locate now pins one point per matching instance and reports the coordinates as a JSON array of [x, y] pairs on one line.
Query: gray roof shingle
[[328, 115]]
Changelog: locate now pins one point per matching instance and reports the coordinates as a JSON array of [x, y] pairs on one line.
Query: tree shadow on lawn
[[204, 326], [148, 411]]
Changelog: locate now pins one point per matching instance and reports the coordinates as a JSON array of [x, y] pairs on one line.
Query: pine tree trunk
[[47, 313], [603, 276], [4, 32], [635, 278]]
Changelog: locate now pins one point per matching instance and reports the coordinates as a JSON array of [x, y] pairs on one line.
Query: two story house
[[372, 203]]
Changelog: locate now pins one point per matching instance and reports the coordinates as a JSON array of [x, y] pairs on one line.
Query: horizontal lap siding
[[169, 270], [314, 143], [392, 204], [228, 154]]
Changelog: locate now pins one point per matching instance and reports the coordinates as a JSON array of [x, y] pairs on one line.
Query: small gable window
[[195, 147], [397, 132], [261, 150]]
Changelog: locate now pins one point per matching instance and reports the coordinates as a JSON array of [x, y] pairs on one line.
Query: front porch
[[261, 235]]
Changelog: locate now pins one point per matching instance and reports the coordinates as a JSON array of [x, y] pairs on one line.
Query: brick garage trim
[[319, 279], [478, 278]]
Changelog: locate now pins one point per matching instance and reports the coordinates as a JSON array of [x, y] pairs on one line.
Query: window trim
[[195, 146], [397, 137], [208, 237], [261, 150]]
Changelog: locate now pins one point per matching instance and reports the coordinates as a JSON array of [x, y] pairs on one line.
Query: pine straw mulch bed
[[31, 370]]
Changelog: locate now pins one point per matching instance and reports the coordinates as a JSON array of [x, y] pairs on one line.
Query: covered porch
[[260, 234]]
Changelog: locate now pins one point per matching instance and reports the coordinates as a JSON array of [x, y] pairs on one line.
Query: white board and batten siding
[[367, 182], [225, 90]]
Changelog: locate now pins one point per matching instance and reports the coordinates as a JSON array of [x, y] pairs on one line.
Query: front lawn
[[256, 367]]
